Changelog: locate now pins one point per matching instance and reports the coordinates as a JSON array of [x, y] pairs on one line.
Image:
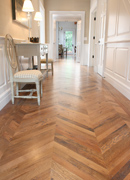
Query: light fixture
[[60, 28], [28, 7], [38, 17]]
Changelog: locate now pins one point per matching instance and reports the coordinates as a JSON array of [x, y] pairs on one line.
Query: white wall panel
[[129, 74], [118, 21], [112, 6], [4, 77], [123, 18], [110, 58], [121, 62], [117, 69], [2, 72]]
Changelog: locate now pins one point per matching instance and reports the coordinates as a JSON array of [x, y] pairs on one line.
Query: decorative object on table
[[31, 39], [28, 7], [38, 18], [18, 15], [26, 76], [34, 39]]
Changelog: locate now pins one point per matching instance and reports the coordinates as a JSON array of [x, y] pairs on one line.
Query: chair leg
[[17, 89], [41, 88], [38, 93], [52, 68], [12, 92]]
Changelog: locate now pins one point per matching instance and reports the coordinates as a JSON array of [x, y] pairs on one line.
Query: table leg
[[39, 64], [47, 63], [32, 62]]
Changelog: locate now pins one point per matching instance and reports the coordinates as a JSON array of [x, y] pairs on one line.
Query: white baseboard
[[121, 87], [5, 98]]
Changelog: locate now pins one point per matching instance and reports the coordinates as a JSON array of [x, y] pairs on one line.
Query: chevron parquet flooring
[[81, 131]]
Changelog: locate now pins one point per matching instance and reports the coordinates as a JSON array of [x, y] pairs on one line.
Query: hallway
[[81, 130]]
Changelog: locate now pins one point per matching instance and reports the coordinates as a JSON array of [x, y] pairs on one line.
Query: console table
[[32, 49]]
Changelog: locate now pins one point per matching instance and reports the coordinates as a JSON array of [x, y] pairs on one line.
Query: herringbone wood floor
[[81, 131]]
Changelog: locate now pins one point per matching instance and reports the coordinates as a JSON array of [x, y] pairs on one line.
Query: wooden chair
[[26, 76], [50, 61], [60, 49]]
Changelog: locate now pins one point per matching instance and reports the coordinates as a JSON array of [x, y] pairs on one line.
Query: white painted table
[[32, 49]]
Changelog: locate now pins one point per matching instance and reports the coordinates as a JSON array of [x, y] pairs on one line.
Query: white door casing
[[101, 44], [78, 46], [100, 36], [54, 40], [92, 32], [42, 23]]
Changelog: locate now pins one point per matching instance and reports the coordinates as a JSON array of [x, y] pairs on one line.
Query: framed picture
[[17, 13]]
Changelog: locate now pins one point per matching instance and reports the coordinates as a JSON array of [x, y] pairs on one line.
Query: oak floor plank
[[81, 130]]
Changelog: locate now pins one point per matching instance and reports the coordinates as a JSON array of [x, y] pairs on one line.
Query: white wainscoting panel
[[111, 13], [118, 23], [117, 64], [4, 77], [117, 69], [110, 58], [121, 62], [129, 73], [123, 18], [2, 64]]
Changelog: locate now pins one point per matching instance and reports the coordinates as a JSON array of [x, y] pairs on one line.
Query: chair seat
[[35, 74], [44, 60]]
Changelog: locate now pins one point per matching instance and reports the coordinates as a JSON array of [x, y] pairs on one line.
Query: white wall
[[93, 4], [67, 5], [7, 25], [117, 68]]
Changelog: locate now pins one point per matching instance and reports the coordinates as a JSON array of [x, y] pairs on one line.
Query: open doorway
[[66, 16], [66, 38], [69, 37]]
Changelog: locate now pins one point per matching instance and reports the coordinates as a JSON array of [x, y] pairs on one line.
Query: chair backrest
[[11, 53], [60, 48]]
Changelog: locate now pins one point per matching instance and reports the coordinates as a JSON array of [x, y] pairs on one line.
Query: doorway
[[65, 16], [69, 41], [66, 37]]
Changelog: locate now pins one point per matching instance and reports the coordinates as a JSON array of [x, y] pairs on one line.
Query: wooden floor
[[81, 131]]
